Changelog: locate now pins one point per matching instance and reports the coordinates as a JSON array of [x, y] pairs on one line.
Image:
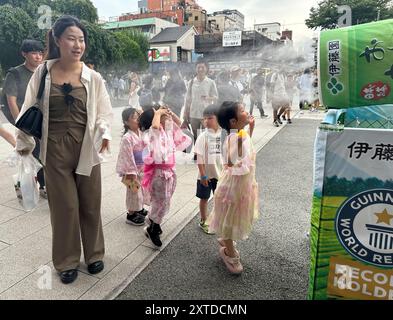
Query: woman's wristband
[[204, 178]]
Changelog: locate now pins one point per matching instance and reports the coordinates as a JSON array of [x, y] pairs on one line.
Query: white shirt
[[279, 85], [237, 84], [208, 147], [99, 117], [122, 84], [206, 87]]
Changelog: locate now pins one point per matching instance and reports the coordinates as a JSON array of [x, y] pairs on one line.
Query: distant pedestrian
[[163, 137], [280, 100], [315, 99], [15, 86], [164, 78], [122, 87], [290, 88], [130, 167], [133, 97], [149, 94], [226, 91], [236, 81], [175, 91], [116, 87], [202, 92], [306, 87], [208, 150], [236, 198], [256, 92]]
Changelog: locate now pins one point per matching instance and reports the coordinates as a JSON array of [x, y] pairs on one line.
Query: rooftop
[[129, 23], [170, 34]]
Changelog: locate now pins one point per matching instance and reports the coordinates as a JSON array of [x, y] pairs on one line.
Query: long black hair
[[57, 30], [226, 112], [125, 115]]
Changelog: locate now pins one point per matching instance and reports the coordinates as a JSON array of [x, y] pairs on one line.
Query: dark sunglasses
[[67, 88]]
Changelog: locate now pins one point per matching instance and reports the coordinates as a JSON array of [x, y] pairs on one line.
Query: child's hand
[[252, 122], [205, 182], [130, 181], [159, 111]]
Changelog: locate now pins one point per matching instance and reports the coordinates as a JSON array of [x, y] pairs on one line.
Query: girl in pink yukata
[[163, 137], [130, 167]]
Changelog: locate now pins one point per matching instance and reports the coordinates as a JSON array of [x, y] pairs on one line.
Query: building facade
[[246, 55], [196, 17], [181, 12], [142, 6], [220, 24], [270, 30], [235, 17], [149, 26], [178, 43], [169, 5]]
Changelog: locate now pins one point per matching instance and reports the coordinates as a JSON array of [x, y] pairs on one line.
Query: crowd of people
[[76, 131], [259, 88]]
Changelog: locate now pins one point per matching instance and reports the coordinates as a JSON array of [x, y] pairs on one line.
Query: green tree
[[82, 9], [29, 6], [131, 53], [18, 21], [140, 38], [15, 26], [326, 15], [96, 51]]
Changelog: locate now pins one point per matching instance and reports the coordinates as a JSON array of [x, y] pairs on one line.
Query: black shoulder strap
[[42, 83]]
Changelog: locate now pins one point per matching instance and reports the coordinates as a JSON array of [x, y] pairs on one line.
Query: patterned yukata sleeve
[[180, 139], [125, 161]]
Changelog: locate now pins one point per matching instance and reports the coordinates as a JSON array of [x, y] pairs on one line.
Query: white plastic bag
[[25, 180]]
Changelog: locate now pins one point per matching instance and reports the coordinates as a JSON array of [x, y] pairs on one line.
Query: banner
[[352, 216], [355, 65], [160, 54]]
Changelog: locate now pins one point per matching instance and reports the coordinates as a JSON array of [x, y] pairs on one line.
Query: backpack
[[145, 98], [3, 97]]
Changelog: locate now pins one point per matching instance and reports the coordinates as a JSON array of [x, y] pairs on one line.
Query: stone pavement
[[25, 237]]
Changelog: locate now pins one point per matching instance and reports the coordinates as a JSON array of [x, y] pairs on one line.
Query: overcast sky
[[291, 14]]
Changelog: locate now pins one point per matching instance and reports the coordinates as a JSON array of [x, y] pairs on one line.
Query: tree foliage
[[15, 26], [326, 15], [334, 186], [83, 9], [130, 51], [18, 21]]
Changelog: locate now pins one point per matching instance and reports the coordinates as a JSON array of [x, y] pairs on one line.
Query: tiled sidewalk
[[25, 237]]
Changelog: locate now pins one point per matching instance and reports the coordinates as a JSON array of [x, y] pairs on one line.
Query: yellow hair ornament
[[242, 133]]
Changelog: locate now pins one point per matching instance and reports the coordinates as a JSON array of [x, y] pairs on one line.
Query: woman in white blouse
[[77, 113]]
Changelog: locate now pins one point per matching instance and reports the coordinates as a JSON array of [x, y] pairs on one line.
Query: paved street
[[276, 256], [25, 237]]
